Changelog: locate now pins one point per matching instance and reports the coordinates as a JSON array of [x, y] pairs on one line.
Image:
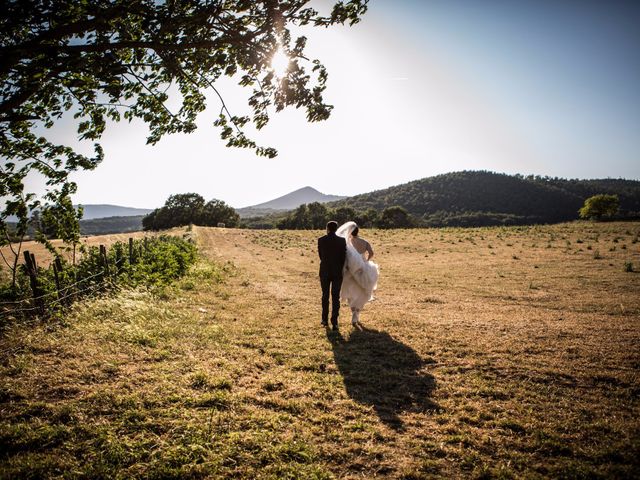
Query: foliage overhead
[[186, 208], [136, 59]]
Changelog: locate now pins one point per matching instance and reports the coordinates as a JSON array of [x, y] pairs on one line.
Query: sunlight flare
[[280, 63]]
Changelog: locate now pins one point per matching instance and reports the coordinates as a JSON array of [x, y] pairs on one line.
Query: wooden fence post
[[105, 260], [57, 265], [56, 277], [30, 261]]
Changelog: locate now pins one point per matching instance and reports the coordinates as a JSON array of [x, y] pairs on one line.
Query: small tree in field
[[216, 212], [60, 220], [600, 206], [185, 208], [394, 217]]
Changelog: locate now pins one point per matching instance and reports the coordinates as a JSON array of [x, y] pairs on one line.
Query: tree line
[[191, 208], [314, 216], [479, 198]]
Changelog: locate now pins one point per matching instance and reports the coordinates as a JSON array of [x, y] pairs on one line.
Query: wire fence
[[47, 303], [43, 292], [50, 294], [44, 304]]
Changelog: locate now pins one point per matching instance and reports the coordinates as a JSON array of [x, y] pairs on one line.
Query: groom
[[333, 251]]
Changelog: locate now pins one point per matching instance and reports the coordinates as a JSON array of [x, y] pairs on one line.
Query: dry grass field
[[43, 257], [488, 353]]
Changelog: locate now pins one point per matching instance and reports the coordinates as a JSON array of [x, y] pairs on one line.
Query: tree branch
[[48, 49], [17, 118], [4, 259], [152, 93], [10, 243]]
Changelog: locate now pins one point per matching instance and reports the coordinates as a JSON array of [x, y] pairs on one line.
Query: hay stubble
[[494, 352]]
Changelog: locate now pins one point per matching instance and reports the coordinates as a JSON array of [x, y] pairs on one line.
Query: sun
[[280, 63]]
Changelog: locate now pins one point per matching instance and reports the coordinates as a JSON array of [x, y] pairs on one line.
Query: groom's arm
[[343, 252]]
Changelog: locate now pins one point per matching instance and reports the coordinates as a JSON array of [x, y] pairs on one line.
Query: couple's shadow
[[382, 372]]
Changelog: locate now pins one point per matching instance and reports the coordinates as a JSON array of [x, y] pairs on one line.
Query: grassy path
[[489, 353]]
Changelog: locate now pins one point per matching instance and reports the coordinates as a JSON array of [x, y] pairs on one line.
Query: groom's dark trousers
[[332, 251]]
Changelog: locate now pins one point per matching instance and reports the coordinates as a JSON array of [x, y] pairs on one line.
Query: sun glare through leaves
[[280, 63]]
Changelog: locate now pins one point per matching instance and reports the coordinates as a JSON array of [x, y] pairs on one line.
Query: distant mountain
[[103, 211], [487, 198], [108, 225], [288, 202], [91, 212]]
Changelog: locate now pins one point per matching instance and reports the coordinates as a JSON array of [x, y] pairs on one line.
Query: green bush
[[600, 206], [154, 261]]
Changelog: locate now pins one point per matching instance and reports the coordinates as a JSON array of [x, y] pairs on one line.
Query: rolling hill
[[287, 202], [108, 225], [487, 198], [97, 211], [103, 211], [467, 198]]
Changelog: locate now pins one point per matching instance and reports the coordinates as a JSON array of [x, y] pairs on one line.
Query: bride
[[360, 277]]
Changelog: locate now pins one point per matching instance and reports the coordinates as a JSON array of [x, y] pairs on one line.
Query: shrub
[[395, 217], [599, 206], [154, 261]]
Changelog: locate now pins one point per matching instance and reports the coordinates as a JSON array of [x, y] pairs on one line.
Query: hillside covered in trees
[[486, 198], [468, 198], [107, 225]]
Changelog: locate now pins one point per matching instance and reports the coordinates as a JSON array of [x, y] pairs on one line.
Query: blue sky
[[565, 72], [420, 88]]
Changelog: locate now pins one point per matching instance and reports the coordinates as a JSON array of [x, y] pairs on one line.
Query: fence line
[[26, 300], [11, 313], [15, 302], [56, 301], [90, 288], [37, 301]]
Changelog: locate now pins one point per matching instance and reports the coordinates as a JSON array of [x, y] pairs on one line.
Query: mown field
[[488, 353]]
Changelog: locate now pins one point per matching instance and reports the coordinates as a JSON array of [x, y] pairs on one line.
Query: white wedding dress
[[360, 277]]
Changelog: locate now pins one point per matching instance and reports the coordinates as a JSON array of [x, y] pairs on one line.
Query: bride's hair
[[355, 231], [346, 230]]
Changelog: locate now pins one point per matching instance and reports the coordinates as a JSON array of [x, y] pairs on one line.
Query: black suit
[[332, 250]]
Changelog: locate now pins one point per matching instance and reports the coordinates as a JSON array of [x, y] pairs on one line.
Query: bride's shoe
[[355, 318]]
